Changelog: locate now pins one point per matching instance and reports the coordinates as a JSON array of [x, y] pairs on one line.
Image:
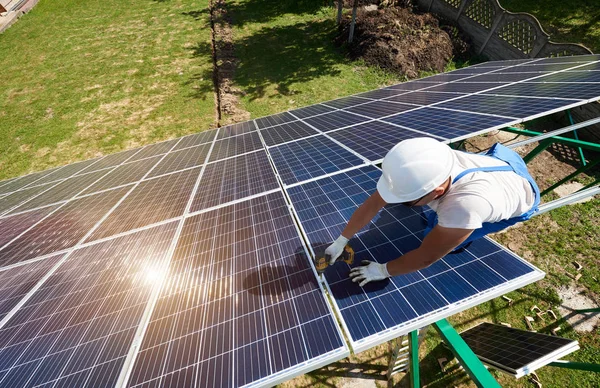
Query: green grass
[[287, 58], [87, 77], [576, 21]]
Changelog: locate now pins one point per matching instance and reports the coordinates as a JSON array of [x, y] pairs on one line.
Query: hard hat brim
[[386, 194]]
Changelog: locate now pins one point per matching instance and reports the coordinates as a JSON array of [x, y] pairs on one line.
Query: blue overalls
[[516, 164]]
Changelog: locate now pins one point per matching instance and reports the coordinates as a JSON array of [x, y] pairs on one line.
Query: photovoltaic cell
[[22, 182], [463, 87], [334, 120], [346, 102], [240, 305], [196, 139], [276, 119], [12, 226], [572, 76], [518, 107], [311, 110], [379, 109], [236, 129], [513, 350], [66, 171], [286, 132], [413, 85], [503, 77], [235, 145], [373, 140], [16, 282], [112, 160], [309, 158], [424, 98], [235, 178], [475, 70], [533, 67], [448, 77], [154, 149], [180, 160], [62, 229], [446, 123], [401, 303], [63, 191], [580, 91], [11, 200], [152, 201], [570, 59], [76, 330], [123, 174], [381, 93]]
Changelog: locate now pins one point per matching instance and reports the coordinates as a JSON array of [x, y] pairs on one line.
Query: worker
[[471, 195]]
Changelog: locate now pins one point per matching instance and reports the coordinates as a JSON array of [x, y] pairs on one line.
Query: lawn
[[86, 78]]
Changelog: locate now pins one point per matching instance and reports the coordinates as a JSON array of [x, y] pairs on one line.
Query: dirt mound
[[399, 40]]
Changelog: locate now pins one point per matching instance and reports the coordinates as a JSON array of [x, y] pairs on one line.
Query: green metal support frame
[[581, 156], [576, 365], [413, 344], [469, 361]]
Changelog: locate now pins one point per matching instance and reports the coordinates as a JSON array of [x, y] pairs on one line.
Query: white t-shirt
[[481, 196]]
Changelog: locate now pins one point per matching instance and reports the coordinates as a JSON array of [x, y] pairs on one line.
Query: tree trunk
[[339, 13], [354, 7]]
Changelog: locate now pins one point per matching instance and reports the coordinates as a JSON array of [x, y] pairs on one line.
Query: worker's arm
[[438, 243], [361, 216]]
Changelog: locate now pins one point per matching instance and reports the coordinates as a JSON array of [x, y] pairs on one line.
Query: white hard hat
[[413, 168]]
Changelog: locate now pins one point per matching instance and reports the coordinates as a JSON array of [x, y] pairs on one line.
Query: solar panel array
[[182, 263]]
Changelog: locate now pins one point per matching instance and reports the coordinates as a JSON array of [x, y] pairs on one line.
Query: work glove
[[368, 272], [335, 250]]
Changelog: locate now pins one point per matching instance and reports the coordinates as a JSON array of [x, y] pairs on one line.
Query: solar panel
[[379, 109], [387, 309], [346, 102], [196, 139], [181, 160], [424, 98], [16, 282], [154, 149], [240, 305], [66, 172], [464, 87], [413, 85], [113, 160], [235, 145], [515, 351], [580, 91], [447, 124], [234, 178], [123, 174], [311, 110], [12, 226], [76, 329], [9, 201], [310, 158], [276, 119], [374, 139], [382, 93], [153, 200], [516, 107], [286, 132], [334, 120], [62, 229], [63, 191], [24, 181], [236, 129]]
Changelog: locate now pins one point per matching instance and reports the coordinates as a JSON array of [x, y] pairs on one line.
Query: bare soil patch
[[576, 298]]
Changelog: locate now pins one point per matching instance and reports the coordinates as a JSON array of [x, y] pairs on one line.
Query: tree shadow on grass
[[285, 55], [261, 11]]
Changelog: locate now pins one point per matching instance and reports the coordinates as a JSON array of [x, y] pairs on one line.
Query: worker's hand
[[335, 250], [368, 272]]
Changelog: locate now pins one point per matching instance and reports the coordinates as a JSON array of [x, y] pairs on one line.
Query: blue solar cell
[[381, 93], [500, 77], [237, 284], [424, 98], [570, 59], [377, 109], [533, 67], [464, 87], [286, 132], [334, 120], [323, 208], [506, 266], [346, 102], [413, 85], [269, 121], [235, 145], [236, 129], [572, 76], [309, 158], [518, 107], [311, 110], [196, 139], [581, 91], [446, 123]]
